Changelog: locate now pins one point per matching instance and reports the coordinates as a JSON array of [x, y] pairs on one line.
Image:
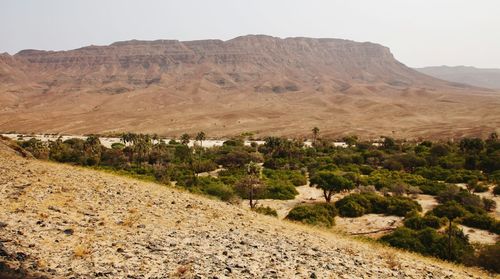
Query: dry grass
[[391, 260], [81, 251]]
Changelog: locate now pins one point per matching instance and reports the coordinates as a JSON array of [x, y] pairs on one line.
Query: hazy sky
[[419, 32]]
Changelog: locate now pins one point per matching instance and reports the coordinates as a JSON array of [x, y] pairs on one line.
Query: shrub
[[320, 214], [418, 222], [429, 242], [356, 205], [404, 238], [450, 210], [496, 190], [489, 204], [481, 188], [489, 257], [400, 206], [351, 209], [266, 210], [220, 190], [432, 187], [481, 221], [117, 145], [279, 190], [295, 177]]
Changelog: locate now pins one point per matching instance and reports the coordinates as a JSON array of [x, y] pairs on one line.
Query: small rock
[[54, 209], [68, 231], [3, 225], [20, 256], [141, 226]]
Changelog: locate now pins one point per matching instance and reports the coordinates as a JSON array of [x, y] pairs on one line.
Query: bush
[[419, 223], [280, 190], [400, 206], [319, 214], [429, 242], [496, 190], [295, 177], [450, 210], [481, 221], [489, 204], [404, 238], [432, 187], [266, 210], [351, 209], [489, 257], [356, 205], [117, 145], [481, 188], [222, 191]]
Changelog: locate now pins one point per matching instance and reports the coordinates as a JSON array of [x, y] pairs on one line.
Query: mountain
[[255, 83], [61, 221], [487, 78]]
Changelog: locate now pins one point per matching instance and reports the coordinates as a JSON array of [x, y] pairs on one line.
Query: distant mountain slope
[[255, 83], [487, 78], [69, 222]]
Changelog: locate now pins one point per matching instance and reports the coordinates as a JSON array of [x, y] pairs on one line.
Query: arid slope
[[69, 222], [255, 83]]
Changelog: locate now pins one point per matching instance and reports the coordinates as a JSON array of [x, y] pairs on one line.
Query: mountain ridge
[[481, 77], [256, 83]]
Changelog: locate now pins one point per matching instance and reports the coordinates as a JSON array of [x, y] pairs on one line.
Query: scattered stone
[[20, 256]]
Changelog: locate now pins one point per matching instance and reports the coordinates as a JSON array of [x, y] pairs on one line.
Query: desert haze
[[255, 83], [487, 78]]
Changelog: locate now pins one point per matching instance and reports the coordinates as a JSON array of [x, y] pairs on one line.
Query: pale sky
[[418, 32]]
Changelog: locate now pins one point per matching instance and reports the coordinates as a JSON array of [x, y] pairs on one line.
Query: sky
[[418, 32]]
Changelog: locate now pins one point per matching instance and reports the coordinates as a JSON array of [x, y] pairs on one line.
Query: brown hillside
[[252, 83]]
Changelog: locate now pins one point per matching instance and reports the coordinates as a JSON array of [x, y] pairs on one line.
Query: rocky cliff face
[[260, 62]]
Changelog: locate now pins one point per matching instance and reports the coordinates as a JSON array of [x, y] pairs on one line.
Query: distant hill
[[255, 83], [487, 78]]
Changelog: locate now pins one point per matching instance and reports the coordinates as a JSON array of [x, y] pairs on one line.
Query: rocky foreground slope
[[68, 222], [259, 84]]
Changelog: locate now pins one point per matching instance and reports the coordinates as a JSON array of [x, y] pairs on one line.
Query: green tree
[[450, 210], [185, 139], [251, 186], [331, 183], [315, 133], [201, 137]]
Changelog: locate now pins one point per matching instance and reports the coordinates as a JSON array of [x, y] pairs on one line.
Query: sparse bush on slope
[[319, 214]]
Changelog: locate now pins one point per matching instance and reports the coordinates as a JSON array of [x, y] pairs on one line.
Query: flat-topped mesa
[[254, 58]]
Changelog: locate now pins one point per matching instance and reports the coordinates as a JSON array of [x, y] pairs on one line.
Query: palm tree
[[155, 138], [185, 139], [126, 138], [251, 186], [201, 137], [315, 132]]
